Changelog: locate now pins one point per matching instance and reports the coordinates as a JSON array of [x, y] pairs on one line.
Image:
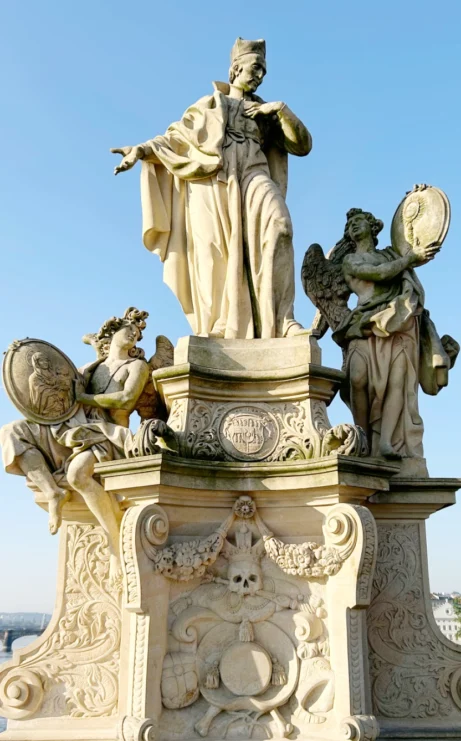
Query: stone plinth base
[[274, 577], [248, 400], [259, 601]]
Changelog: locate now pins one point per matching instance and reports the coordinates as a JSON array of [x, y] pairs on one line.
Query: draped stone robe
[[390, 323], [214, 211]]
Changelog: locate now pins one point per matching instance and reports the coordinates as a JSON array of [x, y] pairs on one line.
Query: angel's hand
[[262, 109], [451, 347], [422, 255], [130, 156], [79, 389]]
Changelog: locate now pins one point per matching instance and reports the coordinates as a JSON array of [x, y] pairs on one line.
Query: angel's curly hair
[[345, 245], [375, 224], [101, 340]]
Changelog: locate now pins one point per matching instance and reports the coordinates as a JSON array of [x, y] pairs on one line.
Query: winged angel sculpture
[[58, 444], [390, 345]]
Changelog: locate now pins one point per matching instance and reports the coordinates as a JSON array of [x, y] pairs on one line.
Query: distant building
[[444, 614]]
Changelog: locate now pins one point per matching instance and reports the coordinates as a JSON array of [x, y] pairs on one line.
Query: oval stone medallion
[[248, 433]]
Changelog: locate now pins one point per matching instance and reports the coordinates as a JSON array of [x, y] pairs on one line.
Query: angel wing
[[323, 282], [149, 404]]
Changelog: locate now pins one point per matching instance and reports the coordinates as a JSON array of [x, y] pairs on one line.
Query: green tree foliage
[[457, 610]]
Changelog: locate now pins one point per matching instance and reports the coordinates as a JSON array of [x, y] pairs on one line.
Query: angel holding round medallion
[[389, 342], [62, 437]]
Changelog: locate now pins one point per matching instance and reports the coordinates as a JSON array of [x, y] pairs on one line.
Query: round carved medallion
[[248, 433], [246, 669], [39, 379], [422, 219]]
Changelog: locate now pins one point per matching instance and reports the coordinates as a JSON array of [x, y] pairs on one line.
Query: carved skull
[[245, 576]]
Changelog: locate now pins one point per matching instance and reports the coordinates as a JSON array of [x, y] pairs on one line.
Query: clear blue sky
[[378, 85]]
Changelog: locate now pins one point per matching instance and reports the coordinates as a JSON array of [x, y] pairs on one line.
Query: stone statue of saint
[[389, 341], [213, 200]]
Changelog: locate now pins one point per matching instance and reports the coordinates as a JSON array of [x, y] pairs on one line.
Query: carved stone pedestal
[[248, 607], [242, 614], [415, 671], [252, 400]]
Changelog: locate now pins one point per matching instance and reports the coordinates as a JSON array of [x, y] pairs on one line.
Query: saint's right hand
[[130, 156]]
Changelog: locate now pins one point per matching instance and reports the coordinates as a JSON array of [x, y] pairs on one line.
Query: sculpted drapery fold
[[390, 344], [214, 212]]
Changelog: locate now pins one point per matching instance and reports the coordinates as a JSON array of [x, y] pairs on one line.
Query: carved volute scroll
[[137, 729], [144, 529]]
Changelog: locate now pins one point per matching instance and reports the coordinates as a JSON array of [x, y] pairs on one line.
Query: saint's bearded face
[[250, 72]]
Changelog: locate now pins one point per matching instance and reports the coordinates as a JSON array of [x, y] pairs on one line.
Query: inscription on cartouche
[[248, 433]]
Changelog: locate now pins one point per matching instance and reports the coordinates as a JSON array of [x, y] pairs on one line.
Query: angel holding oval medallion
[[75, 419], [390, 344]]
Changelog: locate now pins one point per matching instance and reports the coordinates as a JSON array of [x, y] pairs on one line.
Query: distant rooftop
[[444, 595]]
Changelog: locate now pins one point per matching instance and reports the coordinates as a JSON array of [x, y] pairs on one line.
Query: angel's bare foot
[[387, 451], [55, 506], [115, 573]]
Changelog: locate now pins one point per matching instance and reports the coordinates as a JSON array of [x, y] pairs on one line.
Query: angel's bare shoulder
[[139, 367]]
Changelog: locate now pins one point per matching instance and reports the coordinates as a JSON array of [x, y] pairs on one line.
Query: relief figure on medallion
[[390, 344], [75, 419], [213, 200], [50, 390]]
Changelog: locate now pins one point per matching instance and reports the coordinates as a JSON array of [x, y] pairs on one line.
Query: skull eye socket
[[237, 579], [253, 577]]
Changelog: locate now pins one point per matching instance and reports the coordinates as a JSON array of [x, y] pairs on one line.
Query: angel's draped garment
[[213, 204], [90, 428], [391, 323]]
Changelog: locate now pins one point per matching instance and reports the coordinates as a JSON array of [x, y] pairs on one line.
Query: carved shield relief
[[39, 380]]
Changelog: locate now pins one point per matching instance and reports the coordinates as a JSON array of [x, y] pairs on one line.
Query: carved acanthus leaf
[[414, 672], [82, 652]]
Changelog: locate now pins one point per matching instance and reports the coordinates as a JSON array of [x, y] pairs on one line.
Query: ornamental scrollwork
[[414, 673], [80, 658]]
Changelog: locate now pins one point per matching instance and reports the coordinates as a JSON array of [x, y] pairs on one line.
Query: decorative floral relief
[[304, 559], [187, 560], [295, 438], [80, 659], [184, 561], [177, 415], [275, 432], [319, 416], [202, 440], [131, 573], [345, 439], [414, 674]]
